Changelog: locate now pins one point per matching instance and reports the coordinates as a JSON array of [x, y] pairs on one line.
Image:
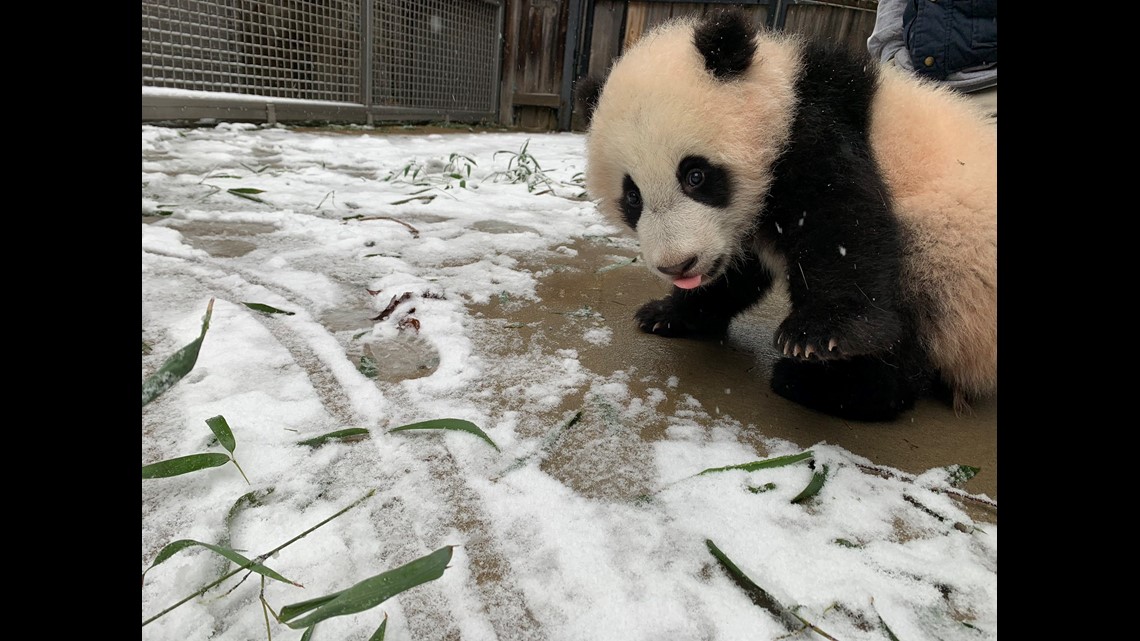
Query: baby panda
[[740, 157]]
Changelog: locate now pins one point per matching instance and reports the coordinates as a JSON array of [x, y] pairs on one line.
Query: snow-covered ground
[[541, 551]]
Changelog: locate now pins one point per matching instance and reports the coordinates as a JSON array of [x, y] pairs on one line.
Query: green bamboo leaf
[[249, 499], [308, 635], [847, 544], [221, 429], [247, 193], [455, 424], [883, 624], [372, 591], [628, 261], [757, 594], [368, 366], [779, 461], [378, 635], [767, 487], [295, 609], [184, 465], [178, 365], [959, 474], [345, 435], [266, 308], [180, 545], [813, 486], [169, 551]]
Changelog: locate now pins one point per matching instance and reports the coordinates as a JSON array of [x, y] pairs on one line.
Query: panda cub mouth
[[695, 280]]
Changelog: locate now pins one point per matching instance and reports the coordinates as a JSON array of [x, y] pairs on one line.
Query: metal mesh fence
[[439, 57], [287, 49], [436, 54]]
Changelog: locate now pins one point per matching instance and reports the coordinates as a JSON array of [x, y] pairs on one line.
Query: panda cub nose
[[679, 268]]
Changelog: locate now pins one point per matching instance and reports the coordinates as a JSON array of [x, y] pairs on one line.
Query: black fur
[[726, 40], [827, 212], [715, 188], [630, 202], [586, 93], [827, 194], [862, 388]]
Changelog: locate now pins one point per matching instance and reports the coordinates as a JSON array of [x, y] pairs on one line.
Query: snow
[[586, 533]]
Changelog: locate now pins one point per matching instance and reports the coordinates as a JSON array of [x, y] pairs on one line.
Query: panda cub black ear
[[727, 41], [586, 93]]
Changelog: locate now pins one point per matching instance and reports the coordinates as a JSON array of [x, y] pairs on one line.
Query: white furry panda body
[[740, 157]]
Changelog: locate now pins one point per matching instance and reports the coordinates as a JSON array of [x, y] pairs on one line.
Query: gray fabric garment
[[887, 44]]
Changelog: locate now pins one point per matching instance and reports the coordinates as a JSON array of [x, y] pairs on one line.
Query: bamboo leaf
[[455, 424], [184, 465], [177, 546], [368, 366], [779, 461], [378, 635], [883, 624], [372, 591], [292, 610], [346, 435], [247, 193], [249, 499], [308, 635], [266, 308], [757, 594], [221, 429], [813, 486], [623, 263], [178, 365], [169, 551], [959, 474]]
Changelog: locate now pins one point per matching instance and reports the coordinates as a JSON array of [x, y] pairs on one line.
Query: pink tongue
[[688, 283]]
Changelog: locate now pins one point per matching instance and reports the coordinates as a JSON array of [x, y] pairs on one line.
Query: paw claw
[[787, 349], [656, 326], [796, 350], [832, 344], [808, 351]]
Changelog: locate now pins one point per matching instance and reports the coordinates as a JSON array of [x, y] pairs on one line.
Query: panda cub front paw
[[808, 336], [661, 318], [679, 316]]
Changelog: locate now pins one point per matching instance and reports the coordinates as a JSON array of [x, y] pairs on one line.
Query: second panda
[[740, 157]]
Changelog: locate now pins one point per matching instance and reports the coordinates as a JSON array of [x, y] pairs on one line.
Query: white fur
[[659, 105]]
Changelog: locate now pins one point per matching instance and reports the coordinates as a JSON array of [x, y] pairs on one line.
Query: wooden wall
[[535, 40]]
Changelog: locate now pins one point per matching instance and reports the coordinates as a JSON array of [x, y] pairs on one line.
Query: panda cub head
[[682, 138]]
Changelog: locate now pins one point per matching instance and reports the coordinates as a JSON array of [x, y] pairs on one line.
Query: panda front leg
[[706, 311], [844, 288]]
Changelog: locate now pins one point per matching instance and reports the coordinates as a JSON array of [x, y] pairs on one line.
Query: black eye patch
[[630, 202], [704, 182]]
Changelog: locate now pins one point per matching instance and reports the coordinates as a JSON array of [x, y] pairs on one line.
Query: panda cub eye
[[630, 202], [705, 181]]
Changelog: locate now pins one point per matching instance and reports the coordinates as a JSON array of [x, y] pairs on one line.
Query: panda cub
[[740, 157]]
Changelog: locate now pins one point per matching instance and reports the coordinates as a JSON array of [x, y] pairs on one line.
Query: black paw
[[660, 317], [861, 388], [822, 336]]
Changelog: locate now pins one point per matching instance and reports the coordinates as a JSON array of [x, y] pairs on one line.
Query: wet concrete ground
[[733, 375]]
